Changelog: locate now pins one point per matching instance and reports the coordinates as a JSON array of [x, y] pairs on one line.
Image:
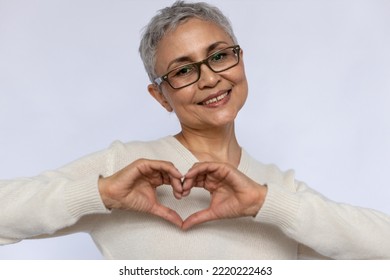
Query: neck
[[217, 144]]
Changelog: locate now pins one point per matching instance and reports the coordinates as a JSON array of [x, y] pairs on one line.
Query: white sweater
[[294, 222]]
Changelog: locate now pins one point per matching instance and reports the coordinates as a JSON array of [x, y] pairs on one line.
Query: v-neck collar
[[192, 159]]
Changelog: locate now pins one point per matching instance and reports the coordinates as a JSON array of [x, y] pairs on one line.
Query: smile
[[214, 100]]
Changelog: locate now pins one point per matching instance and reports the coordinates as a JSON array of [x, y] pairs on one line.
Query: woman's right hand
[[134, 188]]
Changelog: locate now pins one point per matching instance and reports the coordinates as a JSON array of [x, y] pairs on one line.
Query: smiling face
[[216, 98]]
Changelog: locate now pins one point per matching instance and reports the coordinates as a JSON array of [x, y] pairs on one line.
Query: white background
[[71, 82]]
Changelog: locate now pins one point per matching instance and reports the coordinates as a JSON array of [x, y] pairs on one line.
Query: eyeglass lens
[[190, 73]]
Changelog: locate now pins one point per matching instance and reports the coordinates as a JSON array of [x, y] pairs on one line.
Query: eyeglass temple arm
[[159, 80]]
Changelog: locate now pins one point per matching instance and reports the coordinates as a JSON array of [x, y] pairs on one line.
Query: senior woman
[[198, 194]]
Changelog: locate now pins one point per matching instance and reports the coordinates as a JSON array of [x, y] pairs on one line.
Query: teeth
[[215, 99]]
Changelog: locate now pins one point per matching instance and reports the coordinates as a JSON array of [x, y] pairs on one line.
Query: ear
[[242, 54], [157, 94]]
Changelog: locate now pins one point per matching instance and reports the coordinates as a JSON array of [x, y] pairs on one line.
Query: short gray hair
[[168, 19]]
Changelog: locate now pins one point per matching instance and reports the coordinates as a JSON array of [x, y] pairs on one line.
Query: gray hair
[[168, 19]]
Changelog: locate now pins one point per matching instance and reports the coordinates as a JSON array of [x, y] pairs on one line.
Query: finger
[[186, 193], [188, 184], [198, 181], [177, 194], [176, 188], [176, 185], [201, 168], [198, 218], [202, 174], [170, 169], [165, 167], [169, 175], [167, 214]]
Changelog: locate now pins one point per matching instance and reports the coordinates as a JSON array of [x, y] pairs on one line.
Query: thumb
[[198, 218], [167, 214]]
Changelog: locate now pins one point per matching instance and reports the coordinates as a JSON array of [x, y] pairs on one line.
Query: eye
[[183, 71], [218, 57]]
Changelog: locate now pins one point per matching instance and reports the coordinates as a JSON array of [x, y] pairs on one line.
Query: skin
[[207, 131], [203, 128]]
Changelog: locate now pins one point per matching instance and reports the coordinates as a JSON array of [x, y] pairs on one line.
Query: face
[[216, 98]]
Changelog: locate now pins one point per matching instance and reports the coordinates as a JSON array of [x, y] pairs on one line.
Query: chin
[[225, 120]]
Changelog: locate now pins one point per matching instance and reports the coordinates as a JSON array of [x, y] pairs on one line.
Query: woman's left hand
[[233, 194]]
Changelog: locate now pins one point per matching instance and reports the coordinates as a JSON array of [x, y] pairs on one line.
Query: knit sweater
[[295, 222]]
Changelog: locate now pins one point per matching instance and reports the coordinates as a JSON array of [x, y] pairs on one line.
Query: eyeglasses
[[189, 74]]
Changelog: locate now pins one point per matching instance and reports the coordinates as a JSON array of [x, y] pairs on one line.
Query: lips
[[215, 98]]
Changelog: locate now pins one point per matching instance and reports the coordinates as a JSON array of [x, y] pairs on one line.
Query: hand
[[134, 188], [233, 194]]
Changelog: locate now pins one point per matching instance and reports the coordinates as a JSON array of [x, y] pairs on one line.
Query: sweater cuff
[[280, 208], [83, 198]]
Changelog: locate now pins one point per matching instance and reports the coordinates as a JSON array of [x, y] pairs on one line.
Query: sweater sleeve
[[334, 230], [44, 204]]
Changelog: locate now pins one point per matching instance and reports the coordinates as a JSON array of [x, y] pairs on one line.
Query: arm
[[323, 227], [335, 230], [52, 200]]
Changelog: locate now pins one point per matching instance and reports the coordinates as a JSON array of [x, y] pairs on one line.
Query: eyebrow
[[209, 49]]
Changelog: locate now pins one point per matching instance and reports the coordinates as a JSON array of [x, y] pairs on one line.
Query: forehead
[[189, 39]]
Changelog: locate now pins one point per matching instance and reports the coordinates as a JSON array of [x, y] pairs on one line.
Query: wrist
[[259, 198], [103, 191]]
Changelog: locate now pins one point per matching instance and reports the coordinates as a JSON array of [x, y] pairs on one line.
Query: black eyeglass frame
[[197, 65]]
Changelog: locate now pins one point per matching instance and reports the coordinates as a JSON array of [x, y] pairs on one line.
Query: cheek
[[239, 79], [241, 85], [177, 99], [237, 74]]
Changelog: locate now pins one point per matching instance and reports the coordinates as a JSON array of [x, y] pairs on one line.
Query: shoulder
[[157, 144], [122, 153]]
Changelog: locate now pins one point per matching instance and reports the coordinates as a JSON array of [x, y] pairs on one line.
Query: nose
[[208, 78]]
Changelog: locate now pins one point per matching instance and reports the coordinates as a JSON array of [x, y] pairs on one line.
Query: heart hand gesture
[[233, 194]]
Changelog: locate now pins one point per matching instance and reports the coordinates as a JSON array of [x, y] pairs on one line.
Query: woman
[[195, 195]]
